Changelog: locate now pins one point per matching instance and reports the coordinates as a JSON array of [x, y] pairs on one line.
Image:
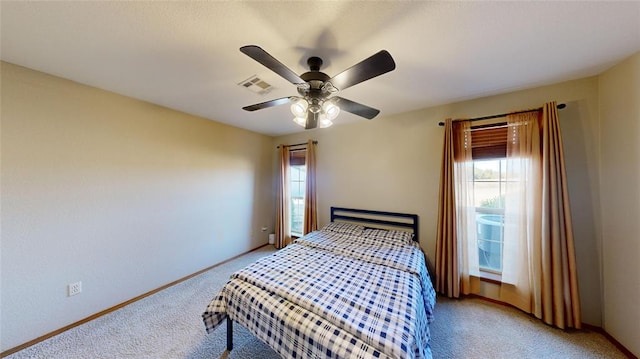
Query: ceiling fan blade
[[376, 65], [263, 57], [357, 108], [260, 106]]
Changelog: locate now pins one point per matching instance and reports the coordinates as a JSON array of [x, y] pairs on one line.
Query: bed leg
[[229, 334]]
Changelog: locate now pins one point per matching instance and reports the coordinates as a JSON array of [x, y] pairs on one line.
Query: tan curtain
[[539, 272], [283, 220], [559, 303], [456, 251], [310, 199], [447, 267]]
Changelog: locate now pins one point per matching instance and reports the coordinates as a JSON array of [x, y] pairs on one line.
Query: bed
[[357, 288]]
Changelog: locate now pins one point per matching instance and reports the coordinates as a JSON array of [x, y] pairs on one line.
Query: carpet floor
[[168, 325]]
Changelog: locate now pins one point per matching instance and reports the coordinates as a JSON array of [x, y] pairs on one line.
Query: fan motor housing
[[315, 76]]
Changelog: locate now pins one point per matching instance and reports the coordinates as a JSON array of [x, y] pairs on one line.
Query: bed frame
[[377, 219], [364, 217]]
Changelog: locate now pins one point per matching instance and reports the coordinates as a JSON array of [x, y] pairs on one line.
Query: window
[[297, 185], [489, 196], [489, 152]]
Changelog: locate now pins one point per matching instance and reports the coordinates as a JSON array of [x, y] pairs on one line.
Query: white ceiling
[[184, 55]]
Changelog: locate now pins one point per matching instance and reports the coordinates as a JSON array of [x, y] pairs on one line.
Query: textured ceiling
[[184, 55]]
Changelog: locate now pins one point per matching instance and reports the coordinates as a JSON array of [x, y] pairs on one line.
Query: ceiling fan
[[316, 105]]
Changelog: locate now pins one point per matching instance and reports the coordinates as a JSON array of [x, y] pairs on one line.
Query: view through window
[[489, 194], [297, 184]]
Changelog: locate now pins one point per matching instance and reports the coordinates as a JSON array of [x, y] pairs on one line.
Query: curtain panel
[[447, 267], [540, 273], [283, 220], [522, 212], [456, 251], [310, 199], [559, 300]]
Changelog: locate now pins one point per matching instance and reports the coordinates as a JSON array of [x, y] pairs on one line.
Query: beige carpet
[[168, 325], [475, 328]]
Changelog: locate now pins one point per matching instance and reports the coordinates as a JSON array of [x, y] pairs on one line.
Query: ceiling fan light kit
[[316, 107], [326, 113]]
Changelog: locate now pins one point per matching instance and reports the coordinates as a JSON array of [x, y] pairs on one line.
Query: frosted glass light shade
[[324, 121], [299, 107], [302, 121], [331, 110]]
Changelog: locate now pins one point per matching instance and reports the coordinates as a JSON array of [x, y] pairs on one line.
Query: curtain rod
[[298, 144], [560, 106]]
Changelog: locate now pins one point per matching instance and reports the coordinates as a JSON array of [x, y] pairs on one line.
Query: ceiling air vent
[[255, 84]]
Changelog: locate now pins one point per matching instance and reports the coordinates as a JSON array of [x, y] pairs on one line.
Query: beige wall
[[620, 191], [393, 163], [120, 194]]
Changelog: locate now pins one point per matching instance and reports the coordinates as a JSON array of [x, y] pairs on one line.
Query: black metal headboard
[[377, 219]]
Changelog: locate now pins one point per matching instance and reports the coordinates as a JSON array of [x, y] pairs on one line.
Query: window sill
[[491, 277]]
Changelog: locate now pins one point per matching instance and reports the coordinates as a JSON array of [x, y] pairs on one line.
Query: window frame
[[489, 142], [296, 160]]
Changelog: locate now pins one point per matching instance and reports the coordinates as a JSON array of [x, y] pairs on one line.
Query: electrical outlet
[[74, 288]]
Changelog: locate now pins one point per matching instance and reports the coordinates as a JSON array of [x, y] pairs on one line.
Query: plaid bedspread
[[339, 295], [402, 256]]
